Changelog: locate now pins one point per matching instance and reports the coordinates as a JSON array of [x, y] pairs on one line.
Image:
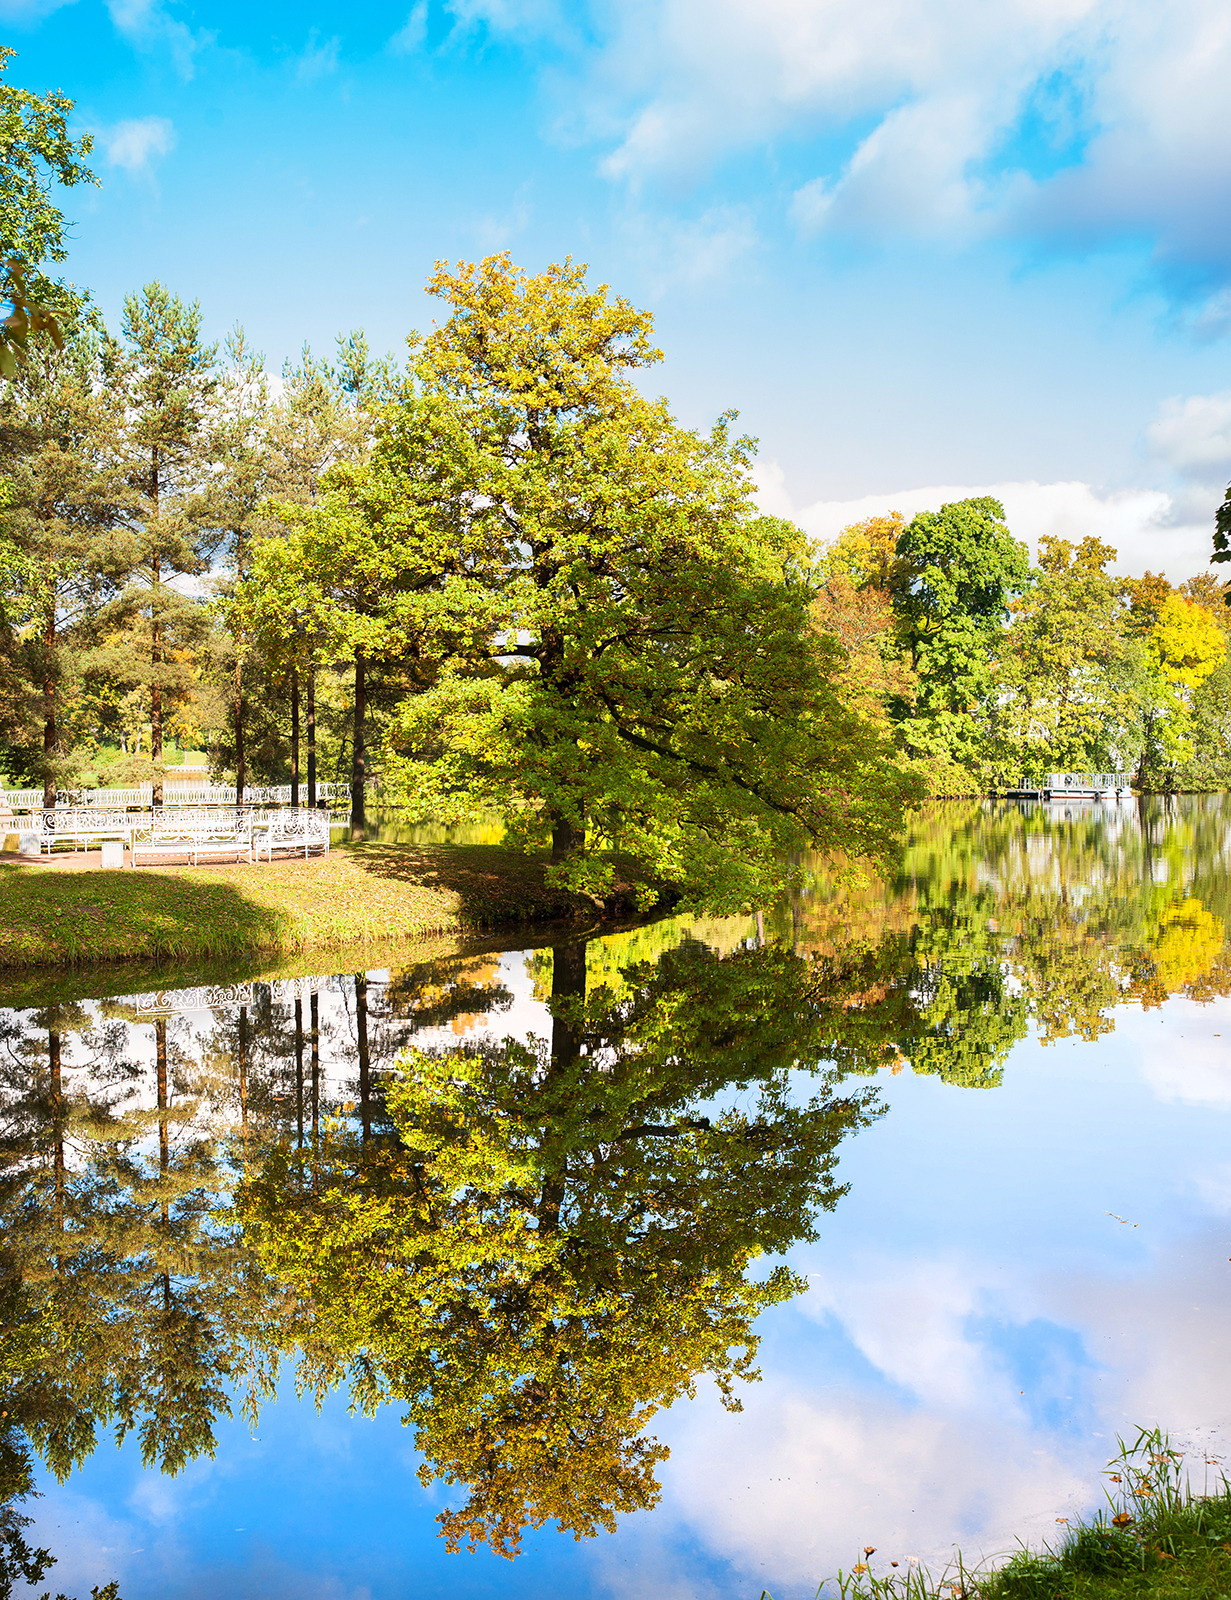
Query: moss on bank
[[358, 895]]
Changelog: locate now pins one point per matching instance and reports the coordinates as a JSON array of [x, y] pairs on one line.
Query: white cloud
[[133, 144], [146, 24], [1194, 435], [1141, 524], [684, 252], [26, 12], [318, 58], [1082, 122], [412, 33]]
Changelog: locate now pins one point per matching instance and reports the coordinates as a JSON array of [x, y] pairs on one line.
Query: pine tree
[[168, 379], [60, 424]]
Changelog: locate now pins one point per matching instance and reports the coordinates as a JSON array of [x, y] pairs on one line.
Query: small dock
[[1070, 786]]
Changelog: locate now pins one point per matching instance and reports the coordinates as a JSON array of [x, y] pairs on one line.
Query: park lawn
[[360, 894]]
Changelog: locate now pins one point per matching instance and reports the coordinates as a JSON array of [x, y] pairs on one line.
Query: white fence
[[173, 794], [1087, 782]]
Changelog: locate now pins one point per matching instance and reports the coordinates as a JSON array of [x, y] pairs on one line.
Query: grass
[[360, 894], [1158, 1539]]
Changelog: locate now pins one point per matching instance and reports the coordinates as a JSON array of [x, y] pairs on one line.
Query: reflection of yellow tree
[[555, 1243], [1188, 941]]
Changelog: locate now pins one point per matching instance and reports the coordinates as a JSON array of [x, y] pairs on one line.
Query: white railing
[[1087, 782], [173, 794]]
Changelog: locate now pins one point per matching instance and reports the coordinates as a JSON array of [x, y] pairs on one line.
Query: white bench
[[291, 830], [82, 826], [175, 834]]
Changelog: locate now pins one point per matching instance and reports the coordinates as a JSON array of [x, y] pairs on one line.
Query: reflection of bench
[[177, 835], [81, 826], [291, 830]]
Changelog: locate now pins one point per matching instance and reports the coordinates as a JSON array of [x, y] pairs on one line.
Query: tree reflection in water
[[531, 1245], [551, 1242]]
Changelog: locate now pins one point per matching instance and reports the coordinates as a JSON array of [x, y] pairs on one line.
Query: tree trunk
[[156, 687], [241, 771], [49, 710], [365, 1060], [357, 771], [295, 739], [312, 737], [566, 837]]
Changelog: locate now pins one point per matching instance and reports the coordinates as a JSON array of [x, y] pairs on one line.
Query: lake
[[953, 1147]]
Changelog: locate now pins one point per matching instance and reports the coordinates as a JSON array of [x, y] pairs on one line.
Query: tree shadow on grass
[[497, 885], [70, 918]]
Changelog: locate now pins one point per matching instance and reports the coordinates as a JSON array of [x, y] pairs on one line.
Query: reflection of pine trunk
[[361, 1028], [294, 736], [164, 1148], [568, 995], [358, 760], [314, 1025], [298, 1073], [243, 1079], [311, 718], [57, 1121]]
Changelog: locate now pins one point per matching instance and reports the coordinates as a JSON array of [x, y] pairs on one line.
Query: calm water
[[955, 1147]]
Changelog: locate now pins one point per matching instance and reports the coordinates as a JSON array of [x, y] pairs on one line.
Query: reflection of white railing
[[173, 794], [213, 997]]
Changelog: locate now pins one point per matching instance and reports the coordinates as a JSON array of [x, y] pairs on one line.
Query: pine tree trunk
[[49, 710], [295, 737], [241, 770], [357, 772], [156, 688], [312, 737], [155, 639]]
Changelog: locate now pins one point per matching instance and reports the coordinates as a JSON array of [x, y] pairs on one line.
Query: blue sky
[[925, 247]]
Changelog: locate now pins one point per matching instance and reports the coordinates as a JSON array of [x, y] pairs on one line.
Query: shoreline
[[362, 894]]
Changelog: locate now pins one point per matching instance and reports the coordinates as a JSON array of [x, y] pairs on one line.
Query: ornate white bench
[[174, 833], [81, 826], [291, 830]]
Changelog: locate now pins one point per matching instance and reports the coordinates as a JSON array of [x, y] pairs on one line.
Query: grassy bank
[[361, 894], [1156, 1537]]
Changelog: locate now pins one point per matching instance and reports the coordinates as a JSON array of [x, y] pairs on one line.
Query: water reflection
[[530, 1200]]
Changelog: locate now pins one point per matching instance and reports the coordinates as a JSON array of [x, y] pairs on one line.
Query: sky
[[925, 248]]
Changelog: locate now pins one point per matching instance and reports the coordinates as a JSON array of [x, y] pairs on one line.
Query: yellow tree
[[1185, 646]]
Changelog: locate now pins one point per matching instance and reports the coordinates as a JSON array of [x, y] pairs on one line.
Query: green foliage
[[959, 569], [608, 645], [35, 150], [1070, 676], [1158, 1538]]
